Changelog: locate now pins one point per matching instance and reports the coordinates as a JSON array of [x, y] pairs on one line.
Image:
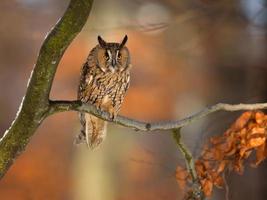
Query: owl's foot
[[98, 107], [112, 116]]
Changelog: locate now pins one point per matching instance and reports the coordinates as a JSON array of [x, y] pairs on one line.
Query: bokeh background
[[186, 54]]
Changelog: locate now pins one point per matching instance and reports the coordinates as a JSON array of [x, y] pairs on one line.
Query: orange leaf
[[255, 142], [200, 168], [242, 120], [222, 166], [218, 182], [181, 176], [261, 154], [207, 186], [257, 130], [231, 151], [259, 117]]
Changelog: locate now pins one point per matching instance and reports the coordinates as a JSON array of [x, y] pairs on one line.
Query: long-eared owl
[[104, 81]]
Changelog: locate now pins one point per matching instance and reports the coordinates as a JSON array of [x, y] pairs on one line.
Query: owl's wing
[[93, 129], [127, 82], [86, 83], [82, 96], [120, 92], [84, 92]]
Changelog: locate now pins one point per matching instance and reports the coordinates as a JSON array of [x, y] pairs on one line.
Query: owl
[[104, 81]]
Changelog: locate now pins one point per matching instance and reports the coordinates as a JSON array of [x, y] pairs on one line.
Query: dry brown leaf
[[257, 130], [261, 154], [219, 182], [222, 166], [181, 176], [242, 120], [230, 150], [207, 186], [259, 117], [255, 142]]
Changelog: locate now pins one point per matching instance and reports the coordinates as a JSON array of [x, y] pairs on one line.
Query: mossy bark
[[35, 105]]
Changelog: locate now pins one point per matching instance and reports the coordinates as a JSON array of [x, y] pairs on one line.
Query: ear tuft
[[101, 42], [124, 41]]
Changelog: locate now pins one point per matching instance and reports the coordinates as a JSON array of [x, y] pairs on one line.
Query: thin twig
[[186, 154], [196, 192], [62, 106]]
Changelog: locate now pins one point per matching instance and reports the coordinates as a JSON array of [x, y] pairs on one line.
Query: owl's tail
[[93, 130]]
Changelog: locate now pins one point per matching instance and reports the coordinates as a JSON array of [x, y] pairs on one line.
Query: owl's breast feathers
[[105, 90]]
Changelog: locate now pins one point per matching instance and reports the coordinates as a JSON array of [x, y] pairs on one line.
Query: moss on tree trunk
[[35, 105]]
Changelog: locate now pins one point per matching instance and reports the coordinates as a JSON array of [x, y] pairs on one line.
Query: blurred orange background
[[185, 55]]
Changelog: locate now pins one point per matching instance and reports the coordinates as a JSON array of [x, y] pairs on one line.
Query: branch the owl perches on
[[63, 106]]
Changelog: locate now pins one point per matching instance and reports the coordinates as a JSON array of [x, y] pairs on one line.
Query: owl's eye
[[106, 56], [119, 55]]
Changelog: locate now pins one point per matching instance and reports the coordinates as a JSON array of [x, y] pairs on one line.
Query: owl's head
[[113, 57]]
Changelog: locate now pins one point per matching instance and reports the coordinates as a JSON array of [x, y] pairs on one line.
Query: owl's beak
[[113, 63]]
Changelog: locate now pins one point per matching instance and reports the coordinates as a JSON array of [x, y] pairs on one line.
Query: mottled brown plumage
[[104, 81]]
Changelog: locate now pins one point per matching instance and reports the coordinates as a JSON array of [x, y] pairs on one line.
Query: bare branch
[[61, 106], [196, 191]]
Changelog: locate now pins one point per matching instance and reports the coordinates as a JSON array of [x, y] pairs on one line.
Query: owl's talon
[[99, 108], [112, 116]]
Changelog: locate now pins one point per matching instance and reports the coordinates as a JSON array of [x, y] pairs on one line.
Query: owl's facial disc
[[112, 57], [114, 60]]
